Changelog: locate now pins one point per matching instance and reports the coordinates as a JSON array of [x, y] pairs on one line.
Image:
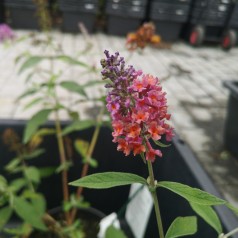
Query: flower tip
[[106, 52]]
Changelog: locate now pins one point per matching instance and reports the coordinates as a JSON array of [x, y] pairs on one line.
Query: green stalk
[[88, 156], [64, 174], [24, 167], [155, 199], [229, 234]]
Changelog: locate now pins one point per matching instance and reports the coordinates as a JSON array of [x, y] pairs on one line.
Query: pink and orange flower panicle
[[138, 108]]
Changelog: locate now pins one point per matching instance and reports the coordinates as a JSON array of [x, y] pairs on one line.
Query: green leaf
[[39, 204], [78, 126], [73, 87], [37, 120], [73, 115], [32, 174], [20, 231], [30, 62], [34, 154], [113, 232], [45, 132], [71, 60], [29, 77], [209, 216], [108, 180], [29, 194], [28, 213], [27, 93], [75, 202], [3, 184], [93, 162], [193, 195], [32, 103], [46, 171], [12, 165], [18, 184], [64, 166], [81, 147], [19, 57], [93, 82], [234, 209], [5, 214], [143, 157], [160, 143], [182, 226], [74, 230]]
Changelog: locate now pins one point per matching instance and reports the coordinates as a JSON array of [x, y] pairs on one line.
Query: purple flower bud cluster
[[5, 32], [114, 69]]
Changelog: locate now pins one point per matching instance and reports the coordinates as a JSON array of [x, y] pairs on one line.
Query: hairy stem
[[155, 199]]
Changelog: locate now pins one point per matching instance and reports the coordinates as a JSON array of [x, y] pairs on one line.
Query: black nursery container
[[124, 16], [2, 12], [231, 123], [75, 12], [213, 21], [169, 17], [178, 164], [234, 17], [22, 14]]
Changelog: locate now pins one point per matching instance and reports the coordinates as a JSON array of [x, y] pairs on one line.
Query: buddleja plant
[[138, 108]]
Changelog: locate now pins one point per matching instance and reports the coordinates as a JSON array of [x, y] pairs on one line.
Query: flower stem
[[24, 167], [155, 199]]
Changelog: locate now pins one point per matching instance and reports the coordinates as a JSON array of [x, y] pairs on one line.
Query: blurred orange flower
[[144, 36]]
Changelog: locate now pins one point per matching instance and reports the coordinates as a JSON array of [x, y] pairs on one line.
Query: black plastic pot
[[20, 12], [2, 12], [231, 123], [169, 18], [124, 16], [89, 220], [234, 17], [105, 152], [178, 164], [215, 18], [75, 12]]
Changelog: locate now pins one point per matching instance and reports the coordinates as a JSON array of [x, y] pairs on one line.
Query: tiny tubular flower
[[138, 86], [150, 80], [123, 146], [118, 128], [138, 149], [140, 116], [133, 130], [151, 153], [155, 130]]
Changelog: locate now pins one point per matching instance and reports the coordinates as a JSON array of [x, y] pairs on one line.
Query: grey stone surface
[[191, 76]]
